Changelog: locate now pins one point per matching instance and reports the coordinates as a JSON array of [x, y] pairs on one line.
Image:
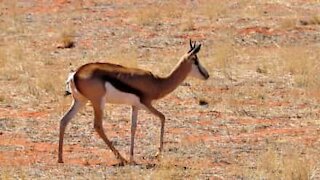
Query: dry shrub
[[33, 81], [124, 56], [314, 20], [303, 64], [288, 23], [289, 165], [172, 9], [246, 9], [13, 173], [11, 59], [222, 58], [48, 85], [213, 9], [66, 39], [223, 54], [156, 13], [146, 16], [188, 23], [169, 168]]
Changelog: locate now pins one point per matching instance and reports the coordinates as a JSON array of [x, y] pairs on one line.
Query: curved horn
[[194, 44], [191, 47], [195, 50]]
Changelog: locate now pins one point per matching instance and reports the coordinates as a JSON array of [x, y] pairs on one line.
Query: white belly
[[116, 96]]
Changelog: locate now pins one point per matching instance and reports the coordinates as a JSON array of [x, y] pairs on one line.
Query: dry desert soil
[[257, 117]]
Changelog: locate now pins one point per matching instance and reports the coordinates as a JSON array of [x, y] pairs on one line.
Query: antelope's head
[[197, 70]]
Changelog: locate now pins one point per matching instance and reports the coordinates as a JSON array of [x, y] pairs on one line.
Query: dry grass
[[159, 13], [287, 164], [147, 16], [188, 24], [66, 39], [222, 58], [124, 56], [288, 23], [314, 20], [213, 10], [247, 9], [302, 63], [168, 168]]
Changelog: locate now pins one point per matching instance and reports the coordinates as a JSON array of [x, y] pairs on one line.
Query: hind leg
[[74, 108], [98, 107], [134, 116]]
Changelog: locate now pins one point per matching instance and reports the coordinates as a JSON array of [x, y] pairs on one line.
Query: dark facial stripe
[[196, 62], [202, 73]]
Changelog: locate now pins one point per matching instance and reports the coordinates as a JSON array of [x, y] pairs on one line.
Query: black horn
[[191, 47]]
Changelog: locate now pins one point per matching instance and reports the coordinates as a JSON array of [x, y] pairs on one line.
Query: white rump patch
[[115, 96], [68, 82]]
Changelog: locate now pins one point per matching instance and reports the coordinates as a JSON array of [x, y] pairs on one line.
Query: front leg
[[134, 115], [162, 118]]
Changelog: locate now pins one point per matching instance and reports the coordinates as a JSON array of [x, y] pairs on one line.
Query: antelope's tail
[[68, 84]]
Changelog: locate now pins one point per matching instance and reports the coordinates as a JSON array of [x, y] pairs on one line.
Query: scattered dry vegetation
[[303, 64], [282, 162]]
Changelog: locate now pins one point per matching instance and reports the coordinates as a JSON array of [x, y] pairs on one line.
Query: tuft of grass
[[172, 9], [223, 57], [169, 168], [49, 85], [188, 24], [12, 60], [124, 56], [262, 69], [66, 39], [248, 9], [147, 16], [2, 98], [288, 23], [157, 13], [213, 10], [13, 173], [314, 20], [288, 165], [303, 65]]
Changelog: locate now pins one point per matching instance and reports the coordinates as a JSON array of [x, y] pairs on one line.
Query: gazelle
[[100, 83]]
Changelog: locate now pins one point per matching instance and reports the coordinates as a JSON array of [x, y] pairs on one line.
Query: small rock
[[203, 102]]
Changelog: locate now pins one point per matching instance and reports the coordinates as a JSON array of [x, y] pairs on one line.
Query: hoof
[[60, 161], [123, 162], [158, 155], [120, 164], [133, 163]]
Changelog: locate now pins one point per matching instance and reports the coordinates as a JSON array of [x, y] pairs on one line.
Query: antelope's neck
[[175, 78]]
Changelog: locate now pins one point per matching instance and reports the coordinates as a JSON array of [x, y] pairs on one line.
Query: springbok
[[104, 82]]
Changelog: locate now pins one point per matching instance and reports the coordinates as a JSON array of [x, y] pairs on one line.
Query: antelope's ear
[[195, 50]]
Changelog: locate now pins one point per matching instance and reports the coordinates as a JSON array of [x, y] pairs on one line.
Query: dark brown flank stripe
[[103, 72], [118, 84]]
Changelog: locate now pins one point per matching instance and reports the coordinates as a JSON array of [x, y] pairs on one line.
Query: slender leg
[[162, 118], [98, 114], [134, 115], [74, 108]]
